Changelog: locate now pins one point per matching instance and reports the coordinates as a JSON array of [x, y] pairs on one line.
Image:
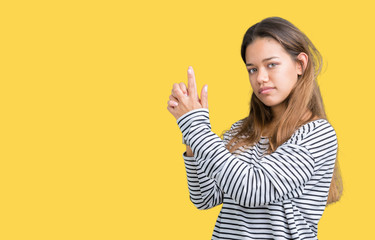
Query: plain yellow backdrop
[[88, 149]]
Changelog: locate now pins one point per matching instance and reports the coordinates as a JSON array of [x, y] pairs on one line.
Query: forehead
[[262, 48]]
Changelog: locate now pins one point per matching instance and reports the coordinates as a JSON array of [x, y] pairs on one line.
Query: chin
[[270, 103]]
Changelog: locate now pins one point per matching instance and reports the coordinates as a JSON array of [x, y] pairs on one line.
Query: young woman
[[275, 170]]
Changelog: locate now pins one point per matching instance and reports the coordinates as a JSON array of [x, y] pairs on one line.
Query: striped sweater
[[265, 196]]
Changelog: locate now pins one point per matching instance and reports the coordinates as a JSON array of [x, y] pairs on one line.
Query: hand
[[189, 152], [183, 100]]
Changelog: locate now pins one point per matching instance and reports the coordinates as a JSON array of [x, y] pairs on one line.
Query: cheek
[[290, 79], [252, 82], [292, 73], [287, 87]]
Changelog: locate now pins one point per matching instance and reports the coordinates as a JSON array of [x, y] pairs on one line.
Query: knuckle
[[182, 85], [175, 92]]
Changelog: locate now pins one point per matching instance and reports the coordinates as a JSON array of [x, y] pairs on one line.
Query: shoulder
[[236, 126], [315, 134], [234, 129]]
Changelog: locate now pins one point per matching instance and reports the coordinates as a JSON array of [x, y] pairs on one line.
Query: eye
[[272, 65], [252, 70]]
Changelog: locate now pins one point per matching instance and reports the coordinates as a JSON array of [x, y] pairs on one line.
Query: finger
[[176, 91], [192, 86], [173, 98], [183, 88], [170, 109], [172, 103], [204, 96]]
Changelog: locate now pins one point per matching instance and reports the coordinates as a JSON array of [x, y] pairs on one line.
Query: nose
[[262, 75]]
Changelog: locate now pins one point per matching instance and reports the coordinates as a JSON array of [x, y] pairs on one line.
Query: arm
[[204, 192], [279, 176]]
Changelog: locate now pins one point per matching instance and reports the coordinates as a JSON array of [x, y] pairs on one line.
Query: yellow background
[[88, 148]]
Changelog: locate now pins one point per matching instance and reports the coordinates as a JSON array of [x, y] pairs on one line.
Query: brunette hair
[[303, 104]]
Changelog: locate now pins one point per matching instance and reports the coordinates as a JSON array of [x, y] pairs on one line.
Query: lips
[[264, 90]]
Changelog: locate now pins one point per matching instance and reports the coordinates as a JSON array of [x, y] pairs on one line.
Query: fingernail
[[190, 70], [205, 88]]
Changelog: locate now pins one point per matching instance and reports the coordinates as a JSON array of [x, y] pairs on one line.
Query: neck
[[277, 112]]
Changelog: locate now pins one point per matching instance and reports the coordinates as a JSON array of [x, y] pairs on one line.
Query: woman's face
[[272, 71]]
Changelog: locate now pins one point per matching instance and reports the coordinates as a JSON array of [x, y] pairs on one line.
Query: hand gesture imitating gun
[[183, 100]]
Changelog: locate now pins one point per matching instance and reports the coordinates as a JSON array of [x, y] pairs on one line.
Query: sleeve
[[276, 177], [204, 192]]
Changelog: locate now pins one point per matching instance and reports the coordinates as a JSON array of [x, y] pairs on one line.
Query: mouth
[[265, 90]]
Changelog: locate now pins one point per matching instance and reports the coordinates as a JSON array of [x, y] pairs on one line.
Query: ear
[[302, 58]]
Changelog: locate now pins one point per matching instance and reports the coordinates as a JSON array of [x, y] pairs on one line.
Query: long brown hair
[[303, 104]]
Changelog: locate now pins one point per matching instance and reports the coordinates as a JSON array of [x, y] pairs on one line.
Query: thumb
[[204, 97]]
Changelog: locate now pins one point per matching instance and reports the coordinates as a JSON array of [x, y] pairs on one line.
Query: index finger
[[192, 86]]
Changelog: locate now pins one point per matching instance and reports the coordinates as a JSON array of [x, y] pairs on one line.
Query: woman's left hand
[[183, 100]]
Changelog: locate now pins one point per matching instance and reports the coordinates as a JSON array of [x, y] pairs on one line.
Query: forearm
[[204, 192]]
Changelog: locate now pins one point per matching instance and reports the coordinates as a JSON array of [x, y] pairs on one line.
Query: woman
[[274, 170]]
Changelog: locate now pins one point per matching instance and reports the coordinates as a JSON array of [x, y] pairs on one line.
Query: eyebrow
[[266, 59]]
